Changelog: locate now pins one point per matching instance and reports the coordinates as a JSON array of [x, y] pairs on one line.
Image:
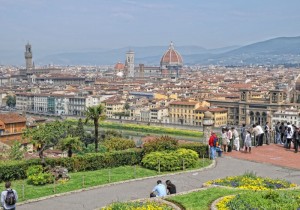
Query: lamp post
[[207, 126]]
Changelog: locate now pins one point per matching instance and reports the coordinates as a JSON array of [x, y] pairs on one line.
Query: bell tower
[[130, 63], [28, 56]]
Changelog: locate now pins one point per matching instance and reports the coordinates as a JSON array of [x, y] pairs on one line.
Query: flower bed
[[251, 182], [138, 205], [267, 200]]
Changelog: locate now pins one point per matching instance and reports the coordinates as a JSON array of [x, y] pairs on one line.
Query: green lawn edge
[[91, 179]]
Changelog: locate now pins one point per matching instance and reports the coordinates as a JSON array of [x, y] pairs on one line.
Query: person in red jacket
[[212, 145]]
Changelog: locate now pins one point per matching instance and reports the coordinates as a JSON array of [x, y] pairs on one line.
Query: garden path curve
[[95, 198]]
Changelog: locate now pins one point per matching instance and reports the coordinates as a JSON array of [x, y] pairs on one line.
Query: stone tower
[[28, 56], [129, 63], [207, 126]]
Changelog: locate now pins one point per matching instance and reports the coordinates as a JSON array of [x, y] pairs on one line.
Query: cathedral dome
[[171, 57], [119, 66]]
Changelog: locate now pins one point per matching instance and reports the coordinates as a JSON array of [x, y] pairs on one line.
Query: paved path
[[274, 154], [102, 196]]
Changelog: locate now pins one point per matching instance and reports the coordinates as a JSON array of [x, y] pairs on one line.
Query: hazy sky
[[68, 25]]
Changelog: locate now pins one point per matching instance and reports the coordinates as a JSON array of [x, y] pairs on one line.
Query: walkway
[[273, 154], [226, 166]]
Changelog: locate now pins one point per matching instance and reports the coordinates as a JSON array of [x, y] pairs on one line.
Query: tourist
[[248, 142], [289, 137], [261, 134], [9, 197], [225, 140], [171, 188], [159, 190], [229, 133], [267, 133], [212, 145], [282, 132], [243, 135], [236, 139], [277, 134], [297, 139], [256, 133]]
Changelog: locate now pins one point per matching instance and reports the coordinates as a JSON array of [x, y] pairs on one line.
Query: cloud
[[123, 15]]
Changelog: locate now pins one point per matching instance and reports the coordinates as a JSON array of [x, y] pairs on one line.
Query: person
[[248, 141], [225, 140], [277, 134], [282, 132], [159, 190], [297, 139], [267, 133], [212, 145], [171, 188], [261, 134], [243, 135], [12, 194], [229, 133], [289, 137], [236, 139]]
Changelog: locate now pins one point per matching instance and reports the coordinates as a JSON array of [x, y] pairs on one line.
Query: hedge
[[200, 148], [13, 170]]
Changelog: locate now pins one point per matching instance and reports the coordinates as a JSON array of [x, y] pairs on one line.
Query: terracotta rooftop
[[8, 118]]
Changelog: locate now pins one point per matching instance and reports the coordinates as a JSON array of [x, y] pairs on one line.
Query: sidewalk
[[137, 189], [273, 154]]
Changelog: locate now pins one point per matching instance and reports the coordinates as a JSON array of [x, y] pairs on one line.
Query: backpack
[[216, 141], [10, 198]]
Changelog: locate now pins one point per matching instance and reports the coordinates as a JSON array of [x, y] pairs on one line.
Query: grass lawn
[[81, 180], [202, 199]]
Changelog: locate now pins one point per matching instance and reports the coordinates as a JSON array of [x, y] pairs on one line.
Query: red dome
[[119, 66], [171, 57]]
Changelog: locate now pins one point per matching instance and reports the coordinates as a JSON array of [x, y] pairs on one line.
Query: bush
[[170, 160], [198, 147], [11, 170], [160, 144], [36, 176], [116, 143]]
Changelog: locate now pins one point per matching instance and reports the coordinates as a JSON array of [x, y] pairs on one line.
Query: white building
[[289, 115]]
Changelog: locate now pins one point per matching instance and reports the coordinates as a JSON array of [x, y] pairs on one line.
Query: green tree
[[95, 113], [79, 131], [46, 136], [11, 101], [16, 152], [70, 143]]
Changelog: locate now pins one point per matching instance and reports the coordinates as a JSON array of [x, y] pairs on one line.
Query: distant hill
[[273, 51]]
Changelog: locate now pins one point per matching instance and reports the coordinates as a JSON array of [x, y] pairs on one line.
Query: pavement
[[274, 154], [230, 164]]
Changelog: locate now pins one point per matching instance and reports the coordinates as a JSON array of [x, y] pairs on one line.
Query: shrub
[[11, 170], [116, 143], [160, 144], [198, 147], [36, 176], [138, 205], [170, 160]]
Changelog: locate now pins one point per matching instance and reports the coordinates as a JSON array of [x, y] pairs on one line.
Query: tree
[[16, 152], [79, 131], [95, 113], [70, 143], [11, 101], [46, 136]]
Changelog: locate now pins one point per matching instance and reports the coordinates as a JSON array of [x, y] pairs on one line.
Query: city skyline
[[60, 26]]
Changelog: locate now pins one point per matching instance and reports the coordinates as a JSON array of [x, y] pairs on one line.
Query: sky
[[78, 25]]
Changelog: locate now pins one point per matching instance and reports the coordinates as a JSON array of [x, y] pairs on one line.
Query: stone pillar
[[207, 126]]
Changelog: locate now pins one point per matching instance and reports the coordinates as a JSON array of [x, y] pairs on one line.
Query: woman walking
[[225, 140]]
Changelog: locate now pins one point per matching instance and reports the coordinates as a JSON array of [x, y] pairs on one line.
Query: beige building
[[183, 112], [251, 108], [219, 116]]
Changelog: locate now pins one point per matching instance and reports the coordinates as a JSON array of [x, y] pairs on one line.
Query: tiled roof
[[8, 118]]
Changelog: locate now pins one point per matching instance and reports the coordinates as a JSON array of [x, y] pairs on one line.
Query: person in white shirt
[[236, 139], [248, 141], [261, 134], [289, 136]]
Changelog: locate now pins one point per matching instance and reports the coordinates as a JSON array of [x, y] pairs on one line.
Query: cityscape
[[132, 110]]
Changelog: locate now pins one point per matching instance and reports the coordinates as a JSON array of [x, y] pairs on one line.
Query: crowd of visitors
[[230, 139]]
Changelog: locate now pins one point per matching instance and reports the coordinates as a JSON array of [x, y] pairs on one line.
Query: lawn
[[81, 180], [202, 199]]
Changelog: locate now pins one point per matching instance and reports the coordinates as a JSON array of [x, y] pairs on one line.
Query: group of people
[[285, 134], [160, 190], [288, 135]]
